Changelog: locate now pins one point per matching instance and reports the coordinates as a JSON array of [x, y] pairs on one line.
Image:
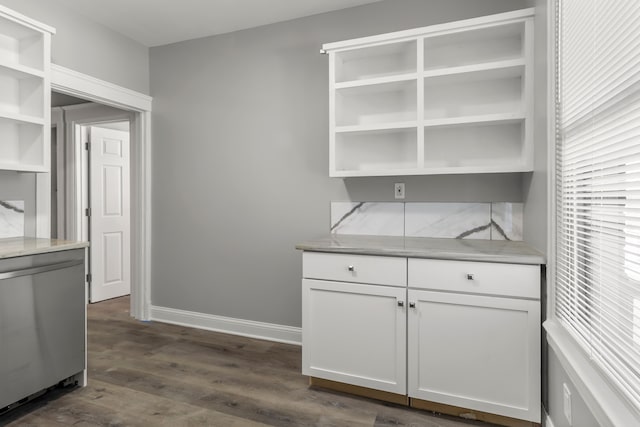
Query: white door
[[476, 352], [354, 334], [110, 263]]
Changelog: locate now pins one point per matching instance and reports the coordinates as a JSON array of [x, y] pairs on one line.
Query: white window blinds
[[597, 283]]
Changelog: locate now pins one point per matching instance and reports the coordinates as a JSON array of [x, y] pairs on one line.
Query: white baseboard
[[228, 325]]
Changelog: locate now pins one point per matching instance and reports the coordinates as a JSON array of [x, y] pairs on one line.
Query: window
[[597, 234]]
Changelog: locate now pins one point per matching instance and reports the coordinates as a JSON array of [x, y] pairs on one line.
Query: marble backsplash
[[378, 219], [11, 218], [494, 221]]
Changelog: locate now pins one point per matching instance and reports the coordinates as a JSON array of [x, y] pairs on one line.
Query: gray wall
[[88, 47], [535, 184], [240, 158]]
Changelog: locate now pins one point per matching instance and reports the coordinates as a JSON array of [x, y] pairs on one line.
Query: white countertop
[[422, 247], [22, 246]]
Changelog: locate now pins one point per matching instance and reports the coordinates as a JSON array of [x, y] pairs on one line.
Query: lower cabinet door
[[475, 352], [355, 334]]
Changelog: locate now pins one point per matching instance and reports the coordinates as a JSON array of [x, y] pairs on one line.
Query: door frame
[[73, 83]]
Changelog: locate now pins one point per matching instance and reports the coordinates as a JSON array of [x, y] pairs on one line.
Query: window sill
[[608, 407]]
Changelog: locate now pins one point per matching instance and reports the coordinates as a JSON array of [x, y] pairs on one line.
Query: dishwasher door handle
[[41, 269]]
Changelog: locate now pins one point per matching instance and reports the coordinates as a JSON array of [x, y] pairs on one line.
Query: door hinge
[[87, 212], [89, 278], [86, 146]]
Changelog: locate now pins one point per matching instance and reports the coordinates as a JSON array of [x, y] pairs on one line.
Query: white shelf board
[[517, 166], [473, 120], [509, 64], [380, 172], [22, 167], [19, 71], [377, 81], [400, 126], [21, 118]]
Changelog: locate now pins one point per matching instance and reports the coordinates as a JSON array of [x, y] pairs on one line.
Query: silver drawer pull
[[351, 268], [412, 305], [400, 303], [469, 276]]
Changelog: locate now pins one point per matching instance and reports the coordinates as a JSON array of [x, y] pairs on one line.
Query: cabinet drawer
[[511, 280], [376, 270]]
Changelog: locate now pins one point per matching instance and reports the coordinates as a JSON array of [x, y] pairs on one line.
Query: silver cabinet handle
[[412, 304], [400, 303], [469, 276], [41, 269], [351, 268]]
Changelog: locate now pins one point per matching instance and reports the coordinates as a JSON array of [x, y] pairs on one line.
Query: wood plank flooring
[[154, 374]]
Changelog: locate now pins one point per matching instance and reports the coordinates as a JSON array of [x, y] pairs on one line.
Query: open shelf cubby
[[476, 46], [21, 45], [374, 104], [485, 147], [21, 94], [376, 61], [358, 152], [25, 152], [494, 91]]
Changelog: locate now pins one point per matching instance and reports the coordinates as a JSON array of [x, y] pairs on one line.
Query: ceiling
[[160, 22]]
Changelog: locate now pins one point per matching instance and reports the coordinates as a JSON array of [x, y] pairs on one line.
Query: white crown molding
[[83, 85], [228, 325], [25, 20]]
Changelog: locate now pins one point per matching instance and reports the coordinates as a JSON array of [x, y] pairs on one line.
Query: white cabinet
[[24, 93], [449, 98], [355, 333], [475, 352], [458, 333], [474, 336]]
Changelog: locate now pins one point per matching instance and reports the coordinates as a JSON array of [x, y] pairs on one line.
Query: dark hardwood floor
[[153, 374]]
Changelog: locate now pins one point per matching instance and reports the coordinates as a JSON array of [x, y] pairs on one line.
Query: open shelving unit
[[25, 88], [449, 98]]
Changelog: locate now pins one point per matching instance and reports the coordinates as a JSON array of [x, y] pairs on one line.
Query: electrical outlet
[[399, 190], [566, 399]]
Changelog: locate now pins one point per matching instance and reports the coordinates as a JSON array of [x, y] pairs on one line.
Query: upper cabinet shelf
[[376, 104], [449, 98], [461, 47], [384, 60], [25, 88]]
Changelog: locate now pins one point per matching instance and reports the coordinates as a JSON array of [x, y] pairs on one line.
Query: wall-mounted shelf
[[449, 98], [24, 93]]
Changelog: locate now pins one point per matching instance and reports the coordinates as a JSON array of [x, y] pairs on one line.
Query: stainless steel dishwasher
[[42, 322]]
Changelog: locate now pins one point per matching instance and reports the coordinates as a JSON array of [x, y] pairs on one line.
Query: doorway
[[87, 88], [97, 137]]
